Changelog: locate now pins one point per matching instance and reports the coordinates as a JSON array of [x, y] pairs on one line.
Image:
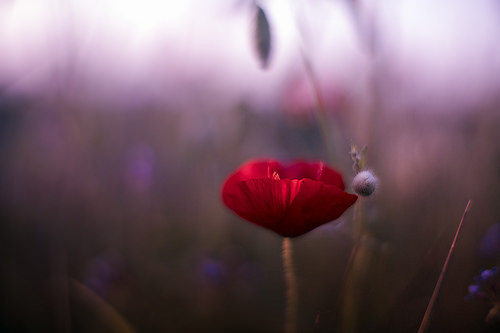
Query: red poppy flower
[[288, 199]]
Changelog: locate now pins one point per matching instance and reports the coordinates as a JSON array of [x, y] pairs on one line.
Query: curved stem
[[292, 296]]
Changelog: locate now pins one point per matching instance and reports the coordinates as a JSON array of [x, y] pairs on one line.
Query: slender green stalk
[[319, 107], [354, 275], [435, 293], [60, 288], [292, 296]]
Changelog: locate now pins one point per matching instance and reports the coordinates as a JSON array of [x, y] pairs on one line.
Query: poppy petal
[[288, 199], [256, 170], [261, 201], [315, 204], [315, 171]]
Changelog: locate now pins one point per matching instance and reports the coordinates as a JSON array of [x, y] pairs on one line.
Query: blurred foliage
[[111, 219], [128, 205]]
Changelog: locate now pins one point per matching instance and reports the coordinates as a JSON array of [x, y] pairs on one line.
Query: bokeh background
[[119, 121]]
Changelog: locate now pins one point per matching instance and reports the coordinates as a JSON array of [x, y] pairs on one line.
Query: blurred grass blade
[[428, 311], [110, 319], [263, 37]]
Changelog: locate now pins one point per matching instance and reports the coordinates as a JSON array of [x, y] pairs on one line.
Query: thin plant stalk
[[60, 289], [354, 274], [319, 107], [292, 296], [425, 321]]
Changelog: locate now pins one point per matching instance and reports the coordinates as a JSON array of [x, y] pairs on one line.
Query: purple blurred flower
[[486, 288], [489, 246], [139, 168], [488, 274], [473, 289], [213, 270], [102, 272]]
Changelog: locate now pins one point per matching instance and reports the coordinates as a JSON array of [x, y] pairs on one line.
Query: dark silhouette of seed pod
[[262, 37]]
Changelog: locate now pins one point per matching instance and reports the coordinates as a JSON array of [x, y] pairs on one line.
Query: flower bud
[[364, 183]]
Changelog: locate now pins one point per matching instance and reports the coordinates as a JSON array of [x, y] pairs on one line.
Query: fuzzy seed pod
[[364, 183]]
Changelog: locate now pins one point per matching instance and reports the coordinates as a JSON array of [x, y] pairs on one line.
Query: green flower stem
[[355, 273], [292, 296], [319, 108]]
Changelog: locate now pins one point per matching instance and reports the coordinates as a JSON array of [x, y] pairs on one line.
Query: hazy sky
[[134, 52]]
